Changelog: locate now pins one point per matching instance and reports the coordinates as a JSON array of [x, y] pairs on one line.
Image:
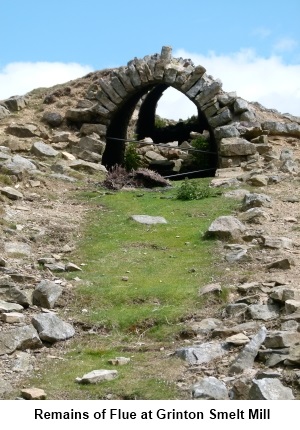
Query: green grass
[[156, 259], [143, 317]]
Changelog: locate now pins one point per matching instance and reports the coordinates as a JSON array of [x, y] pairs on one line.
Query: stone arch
[[116, 93]]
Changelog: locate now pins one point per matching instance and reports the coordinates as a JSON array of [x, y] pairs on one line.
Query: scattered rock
[[203, 353], [225, 228], [51, 328], [33, 394], [46, 294], [247, 356], [22, 338], [41, 149], [96, 376], [269, 389], [210, 388], [147, 219], [11, 193]]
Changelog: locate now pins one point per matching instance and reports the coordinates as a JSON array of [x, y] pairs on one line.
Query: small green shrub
[[131, 159], [160, 122], [5, 179], [192, 191], [200, 158]]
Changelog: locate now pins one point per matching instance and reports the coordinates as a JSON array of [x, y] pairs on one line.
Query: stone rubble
[[251, 345]]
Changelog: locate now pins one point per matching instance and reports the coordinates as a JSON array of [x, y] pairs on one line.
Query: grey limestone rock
[[96, 376], [46, 294], [269, 389], [147, 219], [210, 388], [247, 356], [51, 328], [226, 227]]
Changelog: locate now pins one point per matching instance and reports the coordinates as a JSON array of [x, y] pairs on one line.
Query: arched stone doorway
[[116, 93]]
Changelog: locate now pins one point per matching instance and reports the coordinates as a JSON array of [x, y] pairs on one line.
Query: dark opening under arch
[[117, 129]]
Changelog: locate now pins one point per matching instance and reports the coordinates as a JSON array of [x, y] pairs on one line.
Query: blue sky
[[253, 47]]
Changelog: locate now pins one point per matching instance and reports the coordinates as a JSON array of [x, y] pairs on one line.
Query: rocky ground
[[249, 350]]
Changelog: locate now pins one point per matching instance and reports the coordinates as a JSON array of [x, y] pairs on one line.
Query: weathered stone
[[209, 388], [118, 87], [41, 149], [33, 394], [247, 356], [236, 309], [11, 193], [240, 106], [193, 78], [240, 389], [17, 165], [12, 317], [46, 294], [238, 255], [89, 156], [269, 389], [71, 267], [210, 288], [263, 312], [233, 146], [292, 306], [147, 219], [279, 128], [206, 325], [119, 361], [223, 118], [238, 339], [238, 194], [248, 116], [227, 98], [97, 376], [293, 358], [2, 262], [226, 131], [226, 228], [290, 166], [267, 374], [109, 90], [283, 264], [15, 103], [277, 242], [258, 180], [54, 119], [281, 339], [254, 215], [208, 93], [23, 130], [55, 267], [80, 115], [88, 129], [17, 249], [284, 292], [152, 155], [22, 338], [4, 112], [290, 326], [256, 200], [9, 307], [203, 353], [87, 167], [51, 328]]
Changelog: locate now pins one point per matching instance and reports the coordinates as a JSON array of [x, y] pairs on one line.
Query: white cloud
[[286, 44], [268, 81], [21, 77]]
